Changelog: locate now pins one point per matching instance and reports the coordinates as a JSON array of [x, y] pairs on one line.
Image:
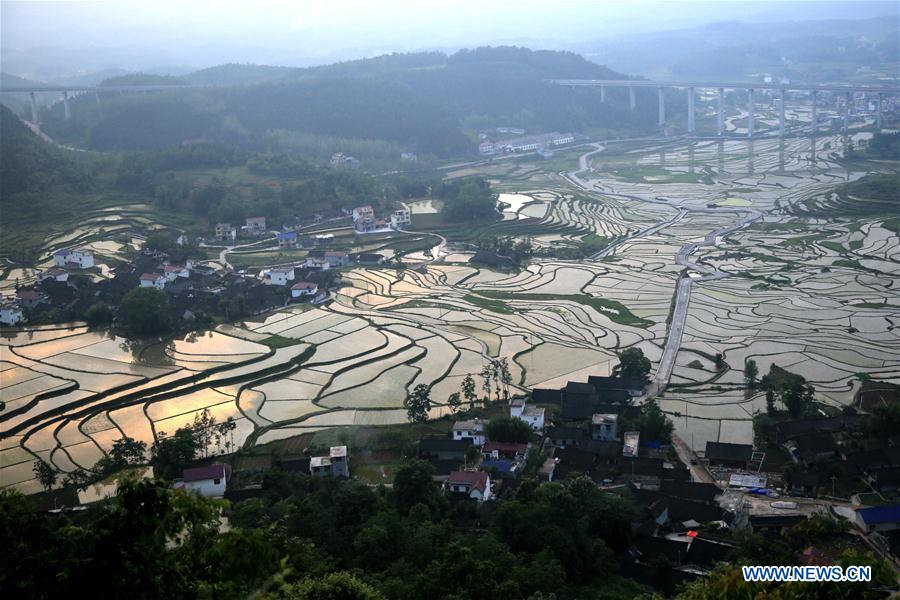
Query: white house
[[255, 225], [605, 427], [153, 280], [632, 444], [474, 484], [363, 212], [225, 232], [10, 314], [304, 288], [532, 415], [209, 481], [173, 272], [337, 258], [73, 257], [280, 275], [313, 262], [401, 217], [336, 464], [54, 273], [472, 429]]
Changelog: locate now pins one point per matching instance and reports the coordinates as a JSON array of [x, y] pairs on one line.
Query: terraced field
[[724, 220]]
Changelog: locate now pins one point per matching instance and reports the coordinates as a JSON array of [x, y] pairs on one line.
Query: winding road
[[683, 258]]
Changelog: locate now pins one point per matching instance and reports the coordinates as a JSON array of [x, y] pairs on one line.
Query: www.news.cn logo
[[808, 573]]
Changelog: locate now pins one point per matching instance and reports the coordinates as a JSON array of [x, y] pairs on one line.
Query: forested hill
[[31, 165], [430, 103]]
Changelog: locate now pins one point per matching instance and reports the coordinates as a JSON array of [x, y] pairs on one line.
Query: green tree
[[334, 586], [770, 402], [413, 485], [798, 398], [45, 474], [170, 455], [762, 430], [508, 429], [98, 314], [751, 372], [652, 423], [145, 311], [468, 390], [454, 402], [885, 420], [205, 430], [418, 404], [633, 363]]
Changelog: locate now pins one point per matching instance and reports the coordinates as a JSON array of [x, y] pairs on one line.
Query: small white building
[[401, 217], [53, 273], [313, 262], [255, 225], [280, 275], [605, 427], [336, 464], [209, 481], [153, 280], [473, 429], [632, 444], [532, 415], [286, 239], [173, 272], [10, 313], [474, 484], [225, 232], [304, 288], [362, 212], [74, 257], [337, 258]]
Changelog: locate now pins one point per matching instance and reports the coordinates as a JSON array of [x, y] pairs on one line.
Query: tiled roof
[[477, 480], [202, 473]]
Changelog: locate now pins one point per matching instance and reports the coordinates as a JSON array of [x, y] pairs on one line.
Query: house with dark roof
[[886, 480], [774, 523], [810, 447], [495, 450], [704, 552], [650, 548], [444, 448], [728, 455], [209, 481], [546, 396], [369, 259], [697, 492], [633, 385], [566, 437], [492, 259], [471, 484]]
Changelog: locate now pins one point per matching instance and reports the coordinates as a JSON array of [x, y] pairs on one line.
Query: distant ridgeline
[[429, 103]]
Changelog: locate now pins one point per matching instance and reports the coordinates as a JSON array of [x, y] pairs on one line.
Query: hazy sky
[[193, 34]]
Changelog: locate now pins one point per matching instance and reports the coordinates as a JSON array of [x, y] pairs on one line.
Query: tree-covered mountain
[[142, 79], [30, 165], [430, 102]]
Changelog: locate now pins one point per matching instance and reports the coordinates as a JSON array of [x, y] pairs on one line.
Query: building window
[[217, 481]]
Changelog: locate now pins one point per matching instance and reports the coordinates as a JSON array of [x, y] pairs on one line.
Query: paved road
[[683, 258], [698, 471]]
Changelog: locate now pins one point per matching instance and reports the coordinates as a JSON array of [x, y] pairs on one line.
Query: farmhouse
[[604, 427], [280, 275], [509, 450], [10, 313], [54, 274], [369, 259], [401, 217], [337, 258], [154, 280], [209, 481], [362, 212], [336, 464], [304, 288], [444, 448], [225, 232], [173, 272], [532, 415], [255, 225], [77, 257], [473, 484], [472, 429], [728, 455], [286, 239], [878, 518]]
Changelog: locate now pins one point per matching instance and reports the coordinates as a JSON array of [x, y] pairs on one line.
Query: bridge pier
[[632, 101], [721, 118], [66, 105], [34, 112], [750, 113], [848, 97], [691, 122], [97, 97], [602, 93], [781, 112], [879, 119], [662, 108], [814, 126]]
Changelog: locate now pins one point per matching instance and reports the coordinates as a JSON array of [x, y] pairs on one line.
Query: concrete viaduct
[[814, 89]]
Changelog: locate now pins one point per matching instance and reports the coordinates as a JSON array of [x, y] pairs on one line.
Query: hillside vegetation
[[430, 103]]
